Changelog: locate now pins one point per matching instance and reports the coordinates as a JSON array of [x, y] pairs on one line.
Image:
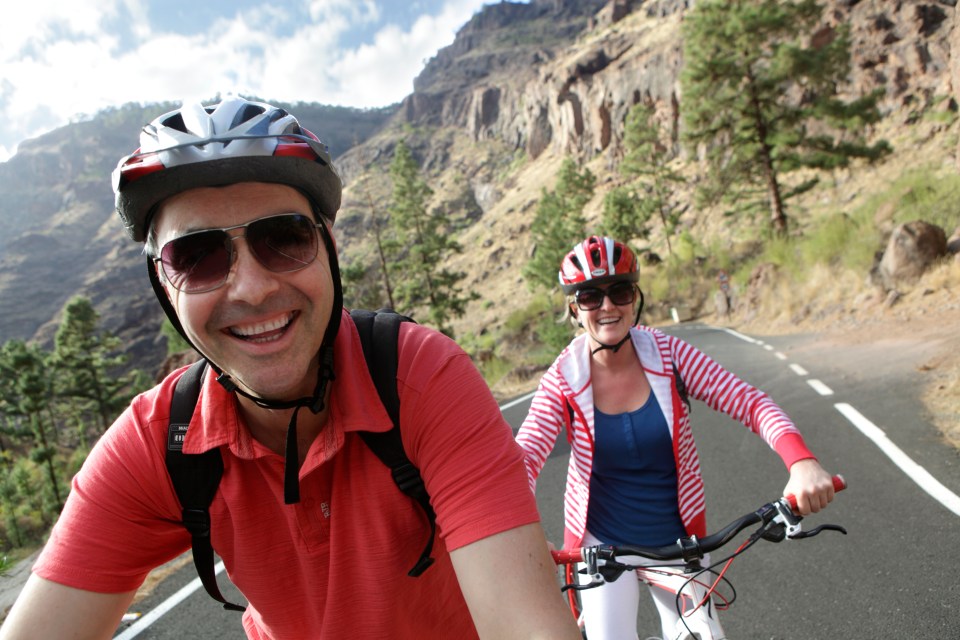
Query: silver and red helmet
[[234, 141], [595, 261]]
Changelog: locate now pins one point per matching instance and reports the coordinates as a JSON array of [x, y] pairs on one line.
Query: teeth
[[263, 327]]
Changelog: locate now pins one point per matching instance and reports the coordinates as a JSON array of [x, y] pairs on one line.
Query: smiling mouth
[[263, 331]]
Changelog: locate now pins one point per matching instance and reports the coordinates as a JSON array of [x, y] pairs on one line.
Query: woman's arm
[[540, 429]]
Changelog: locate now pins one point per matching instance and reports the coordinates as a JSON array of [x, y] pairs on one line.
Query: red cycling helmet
[[595, 261], [205, 146]]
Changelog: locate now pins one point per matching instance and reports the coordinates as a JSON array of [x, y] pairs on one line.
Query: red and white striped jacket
[[564, 399]]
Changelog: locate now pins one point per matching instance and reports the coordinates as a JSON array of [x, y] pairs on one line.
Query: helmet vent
[[248, 112], [176, 122]]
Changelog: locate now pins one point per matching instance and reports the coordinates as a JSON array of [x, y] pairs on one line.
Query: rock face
[[575, 99]]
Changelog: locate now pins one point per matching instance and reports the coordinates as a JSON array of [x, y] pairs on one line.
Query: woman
[[634, 475]]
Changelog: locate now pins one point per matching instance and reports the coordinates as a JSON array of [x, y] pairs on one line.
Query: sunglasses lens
[[589, 299], [283, 243], [621, 294], [197, 261]]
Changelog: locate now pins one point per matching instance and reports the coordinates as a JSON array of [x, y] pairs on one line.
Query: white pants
[[610, 611]]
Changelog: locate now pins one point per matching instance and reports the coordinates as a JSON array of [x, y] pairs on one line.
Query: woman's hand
[[811, 485]]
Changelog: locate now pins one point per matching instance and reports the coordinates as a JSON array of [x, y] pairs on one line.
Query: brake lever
[[789, 519], [823, 527]]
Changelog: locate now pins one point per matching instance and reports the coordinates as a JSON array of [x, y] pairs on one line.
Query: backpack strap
[[379, 332], [195, 478], [681, 387]]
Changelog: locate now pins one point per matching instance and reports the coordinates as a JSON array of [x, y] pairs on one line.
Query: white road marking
[[913, 470], [516, 401], [820, 388], [141, 625]]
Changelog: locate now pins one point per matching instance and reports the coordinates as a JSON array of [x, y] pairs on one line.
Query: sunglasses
[[200, 261], [621, 293]]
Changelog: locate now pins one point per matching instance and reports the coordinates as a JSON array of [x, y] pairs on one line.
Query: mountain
[[490, 119]]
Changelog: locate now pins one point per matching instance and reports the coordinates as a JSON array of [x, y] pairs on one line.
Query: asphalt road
[[893, 576]]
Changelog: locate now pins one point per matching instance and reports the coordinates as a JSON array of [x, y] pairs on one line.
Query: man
[[233, 201]]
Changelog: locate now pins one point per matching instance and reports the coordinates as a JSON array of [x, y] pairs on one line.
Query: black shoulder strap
[[379, 331], [195, 478], [681, 388]]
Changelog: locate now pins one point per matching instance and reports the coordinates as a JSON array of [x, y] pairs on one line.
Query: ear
[[574, 314], [159, 278]]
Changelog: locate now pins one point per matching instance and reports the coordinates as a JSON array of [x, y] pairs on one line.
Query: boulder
[[912, 249]]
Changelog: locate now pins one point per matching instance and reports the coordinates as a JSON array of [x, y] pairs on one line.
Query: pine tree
[[558, 224], [763, 103], [627, 213], [84, 360], [176, 343], [26, 397], [419, 277]]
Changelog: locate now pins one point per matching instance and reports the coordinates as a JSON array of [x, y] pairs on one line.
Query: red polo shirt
[[334, 565]]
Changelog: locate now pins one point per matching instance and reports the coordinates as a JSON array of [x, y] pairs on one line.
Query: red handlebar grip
[[839, 484], [567, 556]]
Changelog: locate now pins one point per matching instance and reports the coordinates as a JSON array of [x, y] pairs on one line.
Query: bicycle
[[778, 521]]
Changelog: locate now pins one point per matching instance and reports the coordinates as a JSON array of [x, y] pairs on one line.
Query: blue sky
[[61, 60]]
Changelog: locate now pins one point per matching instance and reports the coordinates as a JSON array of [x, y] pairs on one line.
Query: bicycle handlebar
[[692, 548]]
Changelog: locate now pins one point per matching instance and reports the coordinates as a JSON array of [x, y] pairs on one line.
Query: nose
[[248, 280]]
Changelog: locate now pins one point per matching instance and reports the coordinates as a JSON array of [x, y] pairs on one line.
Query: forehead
[[214, 207]]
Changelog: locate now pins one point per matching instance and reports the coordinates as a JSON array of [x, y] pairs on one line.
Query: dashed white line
[[737, 334], [797, 369], [780, 356], [820, 388], [913, 470]]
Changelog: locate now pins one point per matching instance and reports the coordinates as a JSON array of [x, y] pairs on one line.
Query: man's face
[[262, 328]]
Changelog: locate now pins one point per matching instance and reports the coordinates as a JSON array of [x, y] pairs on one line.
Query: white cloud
[[58, 61]]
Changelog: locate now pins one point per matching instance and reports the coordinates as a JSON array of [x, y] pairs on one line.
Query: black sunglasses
[[200, 261], [620, 294]]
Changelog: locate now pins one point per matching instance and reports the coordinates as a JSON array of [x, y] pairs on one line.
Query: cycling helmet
[[597, 260], [235, 141]]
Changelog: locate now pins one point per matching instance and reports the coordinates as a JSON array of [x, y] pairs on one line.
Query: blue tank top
[[633, 487]]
